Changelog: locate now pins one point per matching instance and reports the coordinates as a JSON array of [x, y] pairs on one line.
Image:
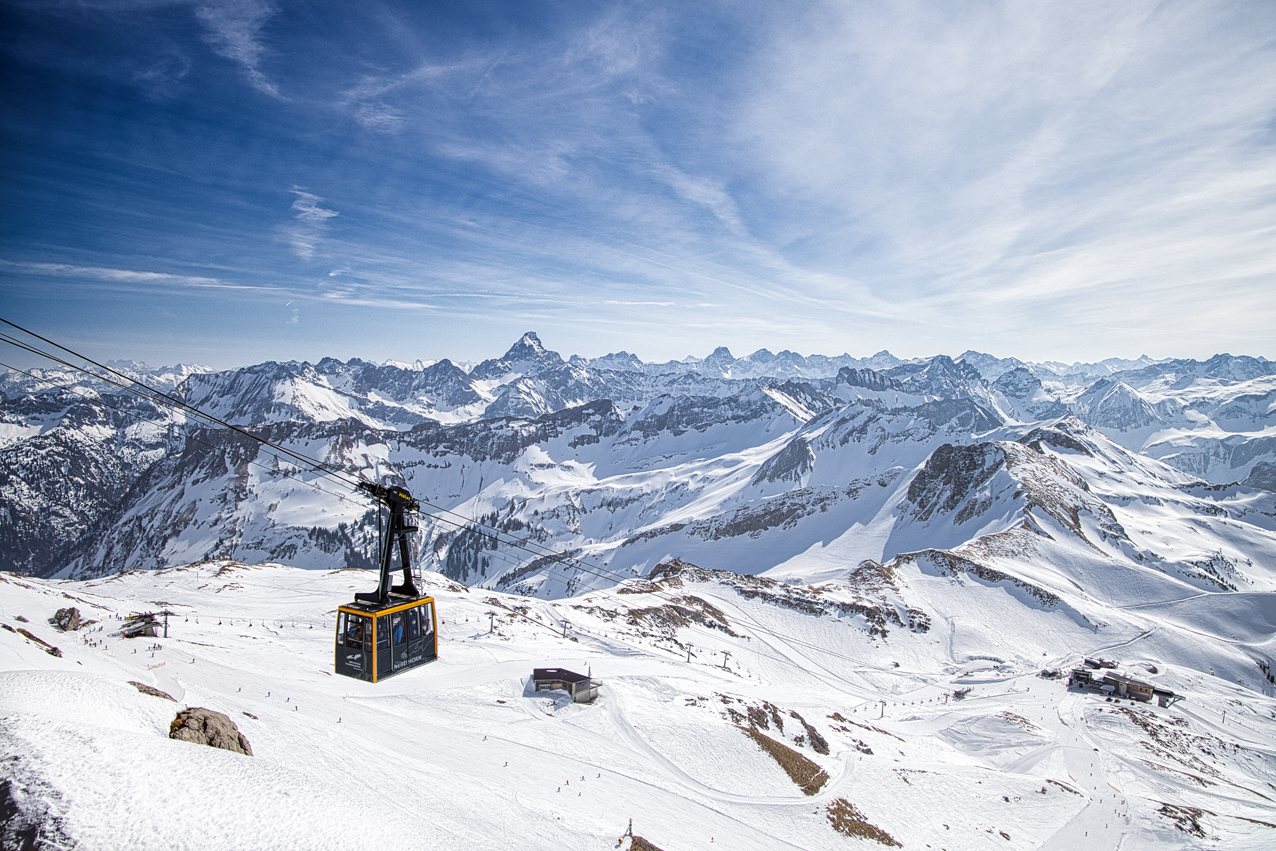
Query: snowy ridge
[[616, 460]]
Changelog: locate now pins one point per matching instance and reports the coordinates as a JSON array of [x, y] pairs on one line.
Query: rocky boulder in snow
[[206, 727], [67, 619]]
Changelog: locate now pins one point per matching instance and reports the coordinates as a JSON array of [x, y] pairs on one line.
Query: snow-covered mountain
[[822, 535], [621, 461], [15, 383]]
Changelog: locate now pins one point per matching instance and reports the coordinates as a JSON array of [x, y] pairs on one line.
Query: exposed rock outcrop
[[67, 619], [29, 809], [206, 727], [152, 691]]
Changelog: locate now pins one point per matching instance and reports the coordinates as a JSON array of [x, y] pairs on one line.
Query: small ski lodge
[[582, 688]]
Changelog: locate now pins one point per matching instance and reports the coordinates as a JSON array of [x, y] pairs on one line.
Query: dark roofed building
[[581, 687], [1128, 686]]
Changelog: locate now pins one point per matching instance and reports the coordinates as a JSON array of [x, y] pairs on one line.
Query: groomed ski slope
[[459, 754]]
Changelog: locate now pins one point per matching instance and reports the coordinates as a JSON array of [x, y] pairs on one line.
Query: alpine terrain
[[832, 602]]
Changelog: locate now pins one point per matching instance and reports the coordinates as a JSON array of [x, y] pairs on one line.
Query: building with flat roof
[[1128, 686], [581, 687]]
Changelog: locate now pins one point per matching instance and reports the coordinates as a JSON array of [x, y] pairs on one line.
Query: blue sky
[[230, 181]]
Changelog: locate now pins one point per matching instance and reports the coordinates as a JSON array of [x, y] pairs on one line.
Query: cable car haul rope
[[394, 628]]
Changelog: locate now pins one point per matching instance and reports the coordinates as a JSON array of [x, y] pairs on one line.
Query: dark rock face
[[951, 476], [29, 807], [678, 415], [1060, 437], [804, 394], [1263, 475], [67, 619], [962, 413], [940, 376], [206, 727], [1018, 383], [867, 378], [55, 485], [790, 464], [1025, 390]]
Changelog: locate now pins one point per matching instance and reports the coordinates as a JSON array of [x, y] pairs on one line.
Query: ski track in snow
[[459, 753]]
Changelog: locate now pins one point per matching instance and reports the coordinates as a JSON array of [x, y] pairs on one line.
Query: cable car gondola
[[394, 628]]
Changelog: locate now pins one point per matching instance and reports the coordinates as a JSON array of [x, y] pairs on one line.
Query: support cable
[[437, 512]]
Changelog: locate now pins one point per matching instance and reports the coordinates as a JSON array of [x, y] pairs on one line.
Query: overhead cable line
[[138, 419], [161, 397], [438, 512]]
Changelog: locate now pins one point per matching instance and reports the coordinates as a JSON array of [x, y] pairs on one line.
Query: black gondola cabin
[[374, 641], [394, 628]]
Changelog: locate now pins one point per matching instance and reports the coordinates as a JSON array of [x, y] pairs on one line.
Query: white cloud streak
[[122, 276], [311, 220], [233, 30], [988, 164]]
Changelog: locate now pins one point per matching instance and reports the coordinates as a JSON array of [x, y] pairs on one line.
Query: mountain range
[[852, 538], [620, 461]]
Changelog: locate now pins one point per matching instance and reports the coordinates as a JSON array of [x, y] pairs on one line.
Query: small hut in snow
[[581, 687]]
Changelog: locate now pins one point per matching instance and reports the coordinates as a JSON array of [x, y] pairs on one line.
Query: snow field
[[461, 754]]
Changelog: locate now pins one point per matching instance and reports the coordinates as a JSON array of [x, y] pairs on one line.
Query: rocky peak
[[720, 356], [989, 366], [1018, 383], [526, 357], [528, 347], [622, 361], [940, 376]]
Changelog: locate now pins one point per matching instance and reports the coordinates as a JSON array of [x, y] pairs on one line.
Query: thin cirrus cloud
[[118, 276], [233, 28], [1004, 159], [1019, 176], [310, 222]]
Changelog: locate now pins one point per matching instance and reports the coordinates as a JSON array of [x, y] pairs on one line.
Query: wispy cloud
[[704, 192], [233, 29], [311, 220], [982, 164], [161, 78], [380, 117], [124, 276], [640, 303], [915, 176]]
